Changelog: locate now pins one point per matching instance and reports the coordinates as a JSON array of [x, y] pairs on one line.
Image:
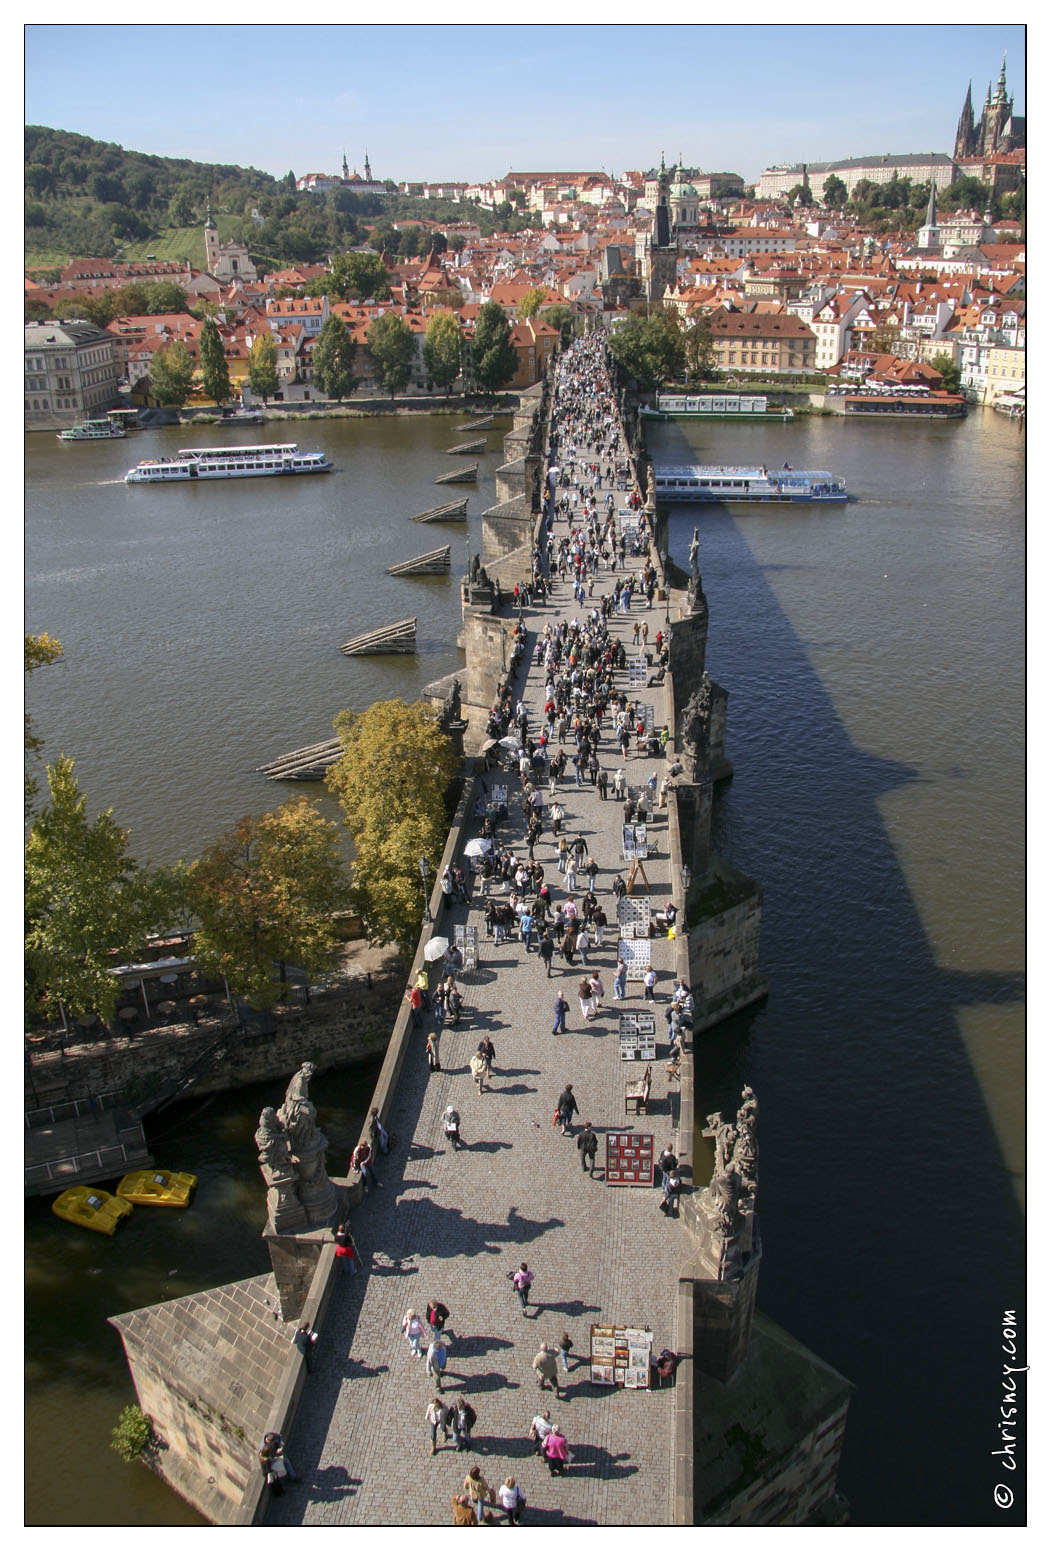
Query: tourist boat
[[751, 407], [747, 483], [933, 406], [91, 431], [91, 1208], [227, 463], [157, 1187]]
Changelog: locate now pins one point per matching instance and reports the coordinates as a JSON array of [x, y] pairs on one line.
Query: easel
[[636, 868]]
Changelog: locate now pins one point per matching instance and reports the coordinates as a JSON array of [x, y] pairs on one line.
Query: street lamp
[[425, 873], [687, 877]]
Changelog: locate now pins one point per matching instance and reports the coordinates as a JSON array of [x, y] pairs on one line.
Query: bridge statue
[[727, 1205], [285, 1212], [292, 1160]]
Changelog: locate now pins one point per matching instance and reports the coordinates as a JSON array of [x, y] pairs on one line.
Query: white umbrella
[[478, 846], [435, 949], [510, 743]]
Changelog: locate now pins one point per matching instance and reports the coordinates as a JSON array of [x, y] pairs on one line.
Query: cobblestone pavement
[[452, 1225]]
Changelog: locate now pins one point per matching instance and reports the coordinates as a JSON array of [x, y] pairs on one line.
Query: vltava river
[[874, 661]]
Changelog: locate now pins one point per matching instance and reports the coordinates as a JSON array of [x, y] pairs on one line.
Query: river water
[[874, 658]]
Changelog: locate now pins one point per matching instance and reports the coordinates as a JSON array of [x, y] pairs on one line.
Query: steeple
[[965, 128], [368, 169], [932, 208], [346, 169], [1001, 85]]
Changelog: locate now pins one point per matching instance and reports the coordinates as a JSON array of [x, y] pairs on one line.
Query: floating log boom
[[435, 561], [452, 511], [465, 447], [399, 637], [465, 476], [306, 764]]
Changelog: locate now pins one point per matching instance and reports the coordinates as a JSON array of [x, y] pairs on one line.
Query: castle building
[[997, 130]]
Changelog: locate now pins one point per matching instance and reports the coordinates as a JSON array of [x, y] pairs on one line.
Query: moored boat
[[747, 484], [157, 1187], [749, 407], [92, 431], [228, 463], [91, 1208]]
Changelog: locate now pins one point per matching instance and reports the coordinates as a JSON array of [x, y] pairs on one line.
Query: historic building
[[997, 130], [226, 261], [71, 373]]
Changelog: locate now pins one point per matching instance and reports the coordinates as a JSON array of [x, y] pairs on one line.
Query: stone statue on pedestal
[[694, 551], [696, 731], [298, 1116], [727, 1206], [285, 1211]]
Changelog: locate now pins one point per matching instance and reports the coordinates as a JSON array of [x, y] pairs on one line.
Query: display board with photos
[[636, 955], [466, 938], [629, 1158], [633, 841], [638, 1036], [633, 915], [621, 1355]]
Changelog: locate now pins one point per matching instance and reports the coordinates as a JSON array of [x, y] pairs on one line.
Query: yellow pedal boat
[[91, 1208], [157, 1187]]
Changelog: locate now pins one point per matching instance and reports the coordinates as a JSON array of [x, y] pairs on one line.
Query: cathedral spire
[[346, 169]]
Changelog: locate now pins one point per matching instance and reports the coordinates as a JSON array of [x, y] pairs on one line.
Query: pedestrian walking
[[412, 1329], [487, 1050], [565, 1346], [546, 950], [670, 1192], [539, 1428], [362, 1161], [437, 1415], [648, 984], [453, 1004], [346, 1251], [598, 990], [415, 996], [523, 1281], [451, 1122], [587, 1146], [463, 1418], [556, 1451], [304, 1341], [436, 1358], [437, 1314], [583, 944], [592, 873], [620, 981], [667, 1163], [603, 784], [433, 1059], [378, 1134], [567, 1108], [561, 1008], [478, 1490], [587, 1010], [478, 1070], [511, 1499], [545, 1367], [599, 922]]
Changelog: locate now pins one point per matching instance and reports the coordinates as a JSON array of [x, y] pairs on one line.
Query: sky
[[476, 101]]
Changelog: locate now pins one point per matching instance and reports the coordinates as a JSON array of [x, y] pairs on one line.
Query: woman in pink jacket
[[555, 1451]]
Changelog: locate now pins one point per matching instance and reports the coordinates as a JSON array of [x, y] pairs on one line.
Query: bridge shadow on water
[[892, 1237]]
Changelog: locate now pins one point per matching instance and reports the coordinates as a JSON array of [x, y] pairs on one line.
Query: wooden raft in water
[[465, 476], [399, 637], [452, 511], [305, 764], [424, 565], [478, 446]]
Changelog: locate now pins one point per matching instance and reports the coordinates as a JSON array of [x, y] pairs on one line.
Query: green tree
[[215, 373], [39, 651], [564, 319], [495, 358], [181, 207], [171, 374], [86, 898], [699, 348], [531, 303], [392, 346], [441, 349], [950, 372], [334, 360], [266, 894], [391, 781], [361, 275], [652, 350], [834, 191], [263, 379]]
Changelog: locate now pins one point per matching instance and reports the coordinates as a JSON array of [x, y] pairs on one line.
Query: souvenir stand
[[620, 1355]]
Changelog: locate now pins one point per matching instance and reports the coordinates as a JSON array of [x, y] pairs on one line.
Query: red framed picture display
[[629, 1158]]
